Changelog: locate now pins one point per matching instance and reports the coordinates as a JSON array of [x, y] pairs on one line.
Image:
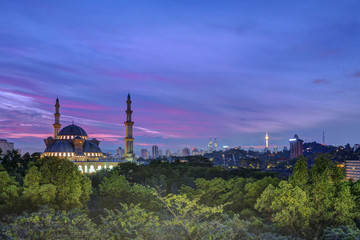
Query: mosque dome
[[91, 147], [62, 146], [72, 130]]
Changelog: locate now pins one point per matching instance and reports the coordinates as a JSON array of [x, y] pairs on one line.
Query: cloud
[[320, 81]]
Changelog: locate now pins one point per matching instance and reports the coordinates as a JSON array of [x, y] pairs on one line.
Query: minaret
[[57, 124], [267, 139], [129, 149], [215, 144]]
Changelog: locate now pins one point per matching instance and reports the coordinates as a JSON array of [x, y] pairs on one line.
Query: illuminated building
[[168, 153], [6, 146], [296, 146], [352, 169], [225, 148], [210, 146], [160, 152], [215, 144], [186, 152], [119, 152], [155, 151], [195, 151], [275, 149], [144, 153], [267, 140], [129, 140], [71, 142]]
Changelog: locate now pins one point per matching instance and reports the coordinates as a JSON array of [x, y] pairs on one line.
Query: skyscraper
[[155, 151], [129, 149], [168, 153], [210, 145], [296, 146], [144, 153], [186, 152], [215, 144]]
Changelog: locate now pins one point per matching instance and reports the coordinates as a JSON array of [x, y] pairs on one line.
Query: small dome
[[72, 130], [62, 146], [91, 147]]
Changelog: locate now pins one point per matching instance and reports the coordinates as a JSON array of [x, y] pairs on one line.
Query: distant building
[[296, 146], [186, 152], [168, 153], [215, 144], [266, 141], [225, 148], [119, 152], [275, 149], [144, 153], [195, 151], [356, 147], [352, 169], [155, 151], [6, 146], [210, 146], [160, 153]]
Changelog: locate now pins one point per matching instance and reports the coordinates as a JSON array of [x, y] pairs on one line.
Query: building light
[[292, 139]]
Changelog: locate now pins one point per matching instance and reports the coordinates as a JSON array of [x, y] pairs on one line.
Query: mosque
[[73, 143]]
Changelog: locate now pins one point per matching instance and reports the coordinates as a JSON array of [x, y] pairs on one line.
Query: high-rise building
[[215, 144], [275, 149], [120, 152], [195, 151], [186, 152], [267, 139], [6, 146], [352, 169], [296, 146], [129, 140], [210, 146], [168, 153], [144, 153], [160, 153], [155, 151]]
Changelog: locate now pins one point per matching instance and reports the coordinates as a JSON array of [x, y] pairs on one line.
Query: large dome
[[91, 147], [72, 130], [62, 146]]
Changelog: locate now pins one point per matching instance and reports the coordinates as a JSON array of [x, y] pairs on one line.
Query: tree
[[50, 224], [289, 205], [9, 193], [56, 183], [300, 176]]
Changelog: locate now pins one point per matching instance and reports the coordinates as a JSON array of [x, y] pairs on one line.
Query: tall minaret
[[129, 149], [267, 139], [57, 124]]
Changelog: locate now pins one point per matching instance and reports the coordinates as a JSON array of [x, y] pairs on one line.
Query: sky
[[194, 69]]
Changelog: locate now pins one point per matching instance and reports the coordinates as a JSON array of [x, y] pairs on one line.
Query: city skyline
[[193, 70]]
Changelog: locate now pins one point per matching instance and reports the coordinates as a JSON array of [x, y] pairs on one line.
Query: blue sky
[[195, 69]]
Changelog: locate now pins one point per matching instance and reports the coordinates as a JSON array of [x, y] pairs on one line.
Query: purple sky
[[195, 69]]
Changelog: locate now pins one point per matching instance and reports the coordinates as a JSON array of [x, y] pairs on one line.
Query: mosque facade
[[73, 143]]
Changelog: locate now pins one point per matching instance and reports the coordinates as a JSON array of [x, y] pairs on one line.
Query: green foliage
[[300, 176], [116, 190], [342, 232], [289, 206], [51, 224], [130, 222], [9, 193], [57, 183]]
